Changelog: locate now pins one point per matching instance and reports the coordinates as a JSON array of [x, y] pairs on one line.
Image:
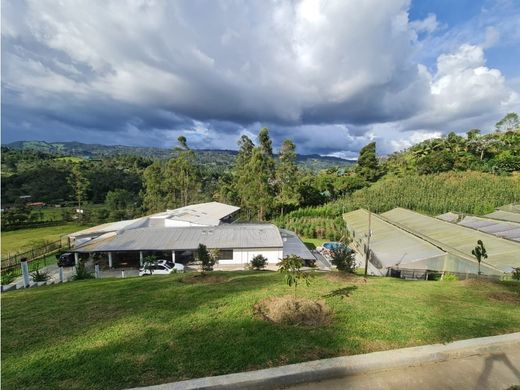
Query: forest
[[466, 172]]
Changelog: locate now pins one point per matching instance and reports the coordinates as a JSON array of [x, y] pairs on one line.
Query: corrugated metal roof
[[111, 227], [456, 239], [292, 245], [504, 216], [509, 230], [232, 236], [391, 246], [210, 213]]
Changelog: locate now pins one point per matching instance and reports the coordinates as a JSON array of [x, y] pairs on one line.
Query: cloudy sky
[[331, 75]]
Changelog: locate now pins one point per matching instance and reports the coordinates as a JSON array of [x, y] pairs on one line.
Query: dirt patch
[[345, 277], [204, 279], [293, 311], [508, 297]]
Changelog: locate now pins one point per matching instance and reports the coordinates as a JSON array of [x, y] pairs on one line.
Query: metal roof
[[292, 245], [209, 214], [111, 227], [456, 239], [509, 230], [449, 217], [390, 245], [230, 236], [504, 216]]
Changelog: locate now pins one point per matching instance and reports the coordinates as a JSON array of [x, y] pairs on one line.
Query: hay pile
[[289, 310]]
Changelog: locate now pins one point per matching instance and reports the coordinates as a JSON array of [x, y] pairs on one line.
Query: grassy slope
[[130, 332], [17, 240]]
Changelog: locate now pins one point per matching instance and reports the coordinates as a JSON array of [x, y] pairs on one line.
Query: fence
[[29, 225], [424, 274], [12, 262]]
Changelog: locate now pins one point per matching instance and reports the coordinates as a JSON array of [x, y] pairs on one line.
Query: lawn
[[17, 240], [122, 333]]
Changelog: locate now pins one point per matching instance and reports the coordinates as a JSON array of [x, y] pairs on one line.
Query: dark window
[[226, 254]]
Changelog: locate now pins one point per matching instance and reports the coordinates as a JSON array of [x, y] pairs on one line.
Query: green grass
[[142, 331], [24, 239]]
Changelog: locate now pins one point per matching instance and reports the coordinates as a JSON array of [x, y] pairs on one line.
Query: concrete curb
[[318, 370]]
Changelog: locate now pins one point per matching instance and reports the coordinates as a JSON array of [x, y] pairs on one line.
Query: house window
[[226, 254]]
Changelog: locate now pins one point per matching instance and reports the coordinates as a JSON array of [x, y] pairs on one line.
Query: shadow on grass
[[151, 357], [38, 318], [341, 292]]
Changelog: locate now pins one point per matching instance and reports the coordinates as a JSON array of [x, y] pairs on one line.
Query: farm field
[[132, 332], [24, 239]]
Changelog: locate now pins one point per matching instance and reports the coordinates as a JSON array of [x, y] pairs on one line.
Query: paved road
[[488, 371]]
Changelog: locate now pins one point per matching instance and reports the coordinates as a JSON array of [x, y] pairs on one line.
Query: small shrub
[[291, 268], [7, 277], [449, 277], [207, 261], [516, 273], [82, 272], [258, 262], [40, 276], [344, 259]]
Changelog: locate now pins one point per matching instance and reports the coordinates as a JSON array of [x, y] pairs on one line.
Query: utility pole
[[367, 254]]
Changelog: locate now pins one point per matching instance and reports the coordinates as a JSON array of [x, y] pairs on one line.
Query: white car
[[170, 264], [160, 269]]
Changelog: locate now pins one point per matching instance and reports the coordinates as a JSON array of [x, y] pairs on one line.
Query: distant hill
[[205, 156]]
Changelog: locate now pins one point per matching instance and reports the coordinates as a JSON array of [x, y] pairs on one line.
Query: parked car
[[170, 264], [66, 260], [160, 269]]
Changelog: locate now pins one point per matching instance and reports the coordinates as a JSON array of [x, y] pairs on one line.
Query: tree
[[120, 203], [205, 258], [367, 164], [509, 122], [182, 174], [256, 191], [343, 258], [480, 253], [258, 262], [79, 183], [287, 177], [154, 196], [240, 173], [290, 267]]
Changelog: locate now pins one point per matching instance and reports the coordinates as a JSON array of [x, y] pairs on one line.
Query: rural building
[[405, 240], [176, 235]]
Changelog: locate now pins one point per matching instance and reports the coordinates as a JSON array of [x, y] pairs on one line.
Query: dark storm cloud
[[332, 76]]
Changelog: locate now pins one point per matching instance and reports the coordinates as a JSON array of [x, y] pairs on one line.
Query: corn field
[[464, 192]]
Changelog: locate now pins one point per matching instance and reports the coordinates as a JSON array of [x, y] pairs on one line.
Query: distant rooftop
[[209, 214]]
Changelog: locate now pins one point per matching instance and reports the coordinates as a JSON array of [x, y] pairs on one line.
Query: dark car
[[66, 260]]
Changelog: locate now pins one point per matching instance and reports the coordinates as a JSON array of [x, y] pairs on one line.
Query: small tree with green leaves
[[480, 253], [343, 258], [82, 272], [149, 262], [291, 268], [258, 262], [516, 273], [207, 261]]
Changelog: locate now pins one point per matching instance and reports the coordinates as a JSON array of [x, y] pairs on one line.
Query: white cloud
[[330, 74]]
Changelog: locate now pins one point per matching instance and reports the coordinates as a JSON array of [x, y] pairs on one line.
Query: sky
[[330, 75]]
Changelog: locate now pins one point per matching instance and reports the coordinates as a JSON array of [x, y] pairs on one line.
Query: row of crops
[[465, 192]]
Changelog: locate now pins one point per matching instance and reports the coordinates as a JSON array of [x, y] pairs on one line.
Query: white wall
[[175, 223], [244, 256]]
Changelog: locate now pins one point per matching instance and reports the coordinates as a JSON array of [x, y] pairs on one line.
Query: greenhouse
[[458, 241], [508, 230], [394, 248]]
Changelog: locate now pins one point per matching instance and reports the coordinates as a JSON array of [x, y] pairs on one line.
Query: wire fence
[[12, 262]]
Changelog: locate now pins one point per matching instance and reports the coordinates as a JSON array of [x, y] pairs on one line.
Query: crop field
[[121, 333], [466, 192]]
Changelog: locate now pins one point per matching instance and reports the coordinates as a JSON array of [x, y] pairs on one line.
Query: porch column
[[76, 258], [141, 258], [109, 259], [173, 256]]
